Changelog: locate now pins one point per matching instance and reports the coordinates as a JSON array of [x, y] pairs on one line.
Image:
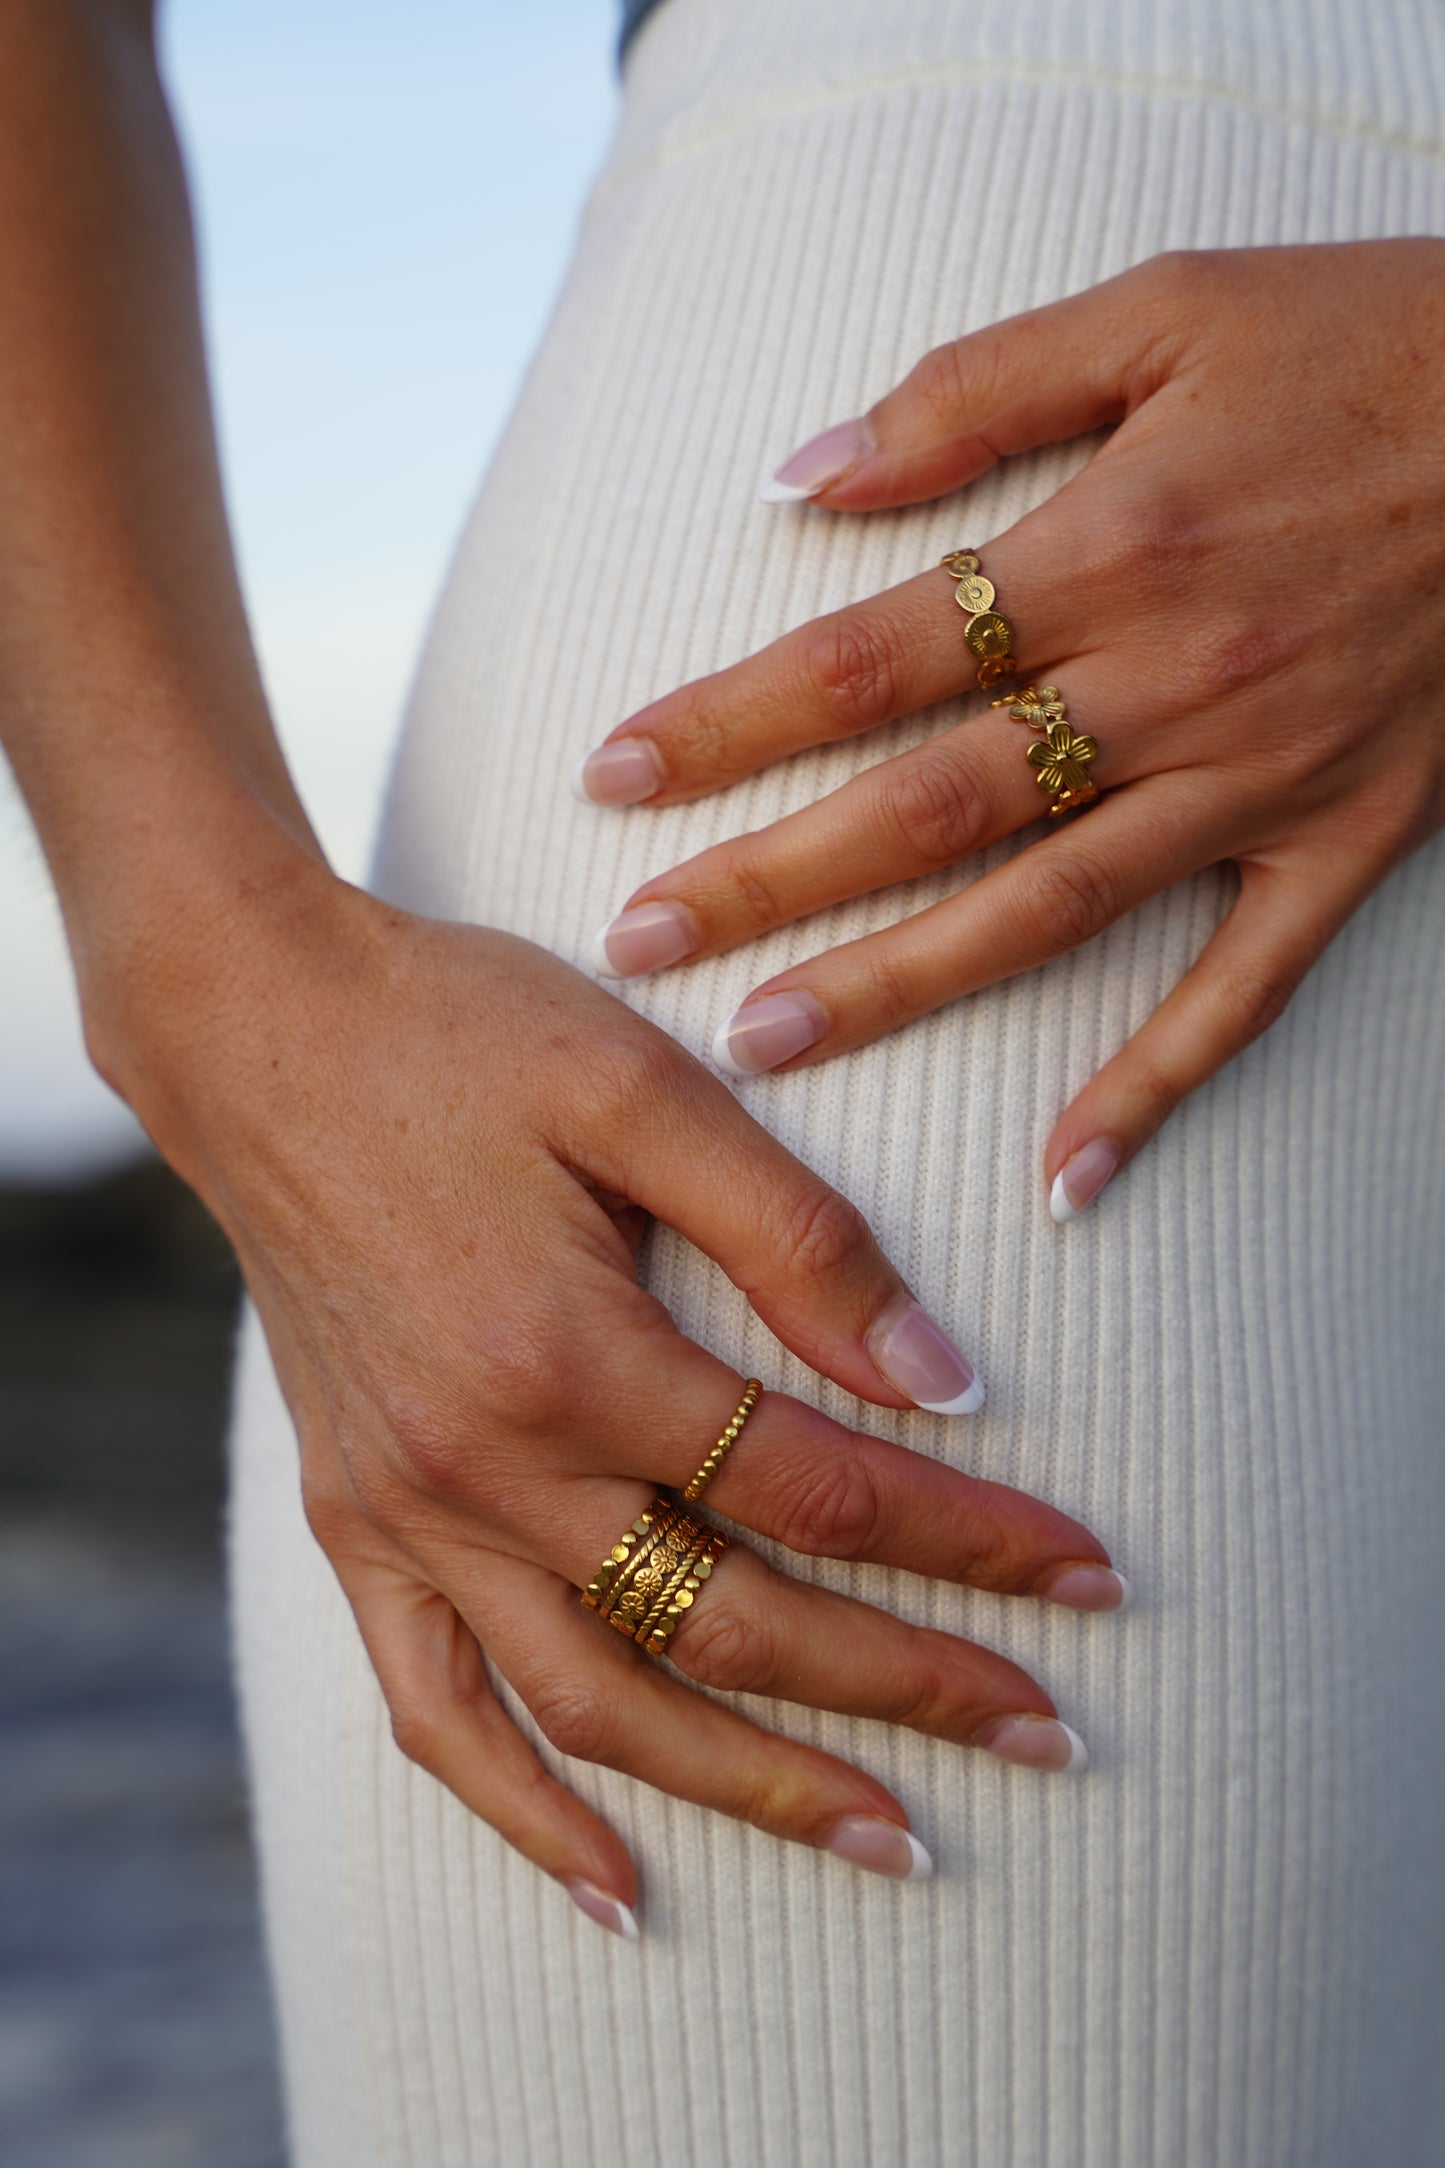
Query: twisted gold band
[[988, 636], [726, 1442], [653, 1574]]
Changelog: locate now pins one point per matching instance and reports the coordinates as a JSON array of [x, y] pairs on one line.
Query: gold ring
[[1059, 754], [726, 1442], [988, 635], [654, 1573]]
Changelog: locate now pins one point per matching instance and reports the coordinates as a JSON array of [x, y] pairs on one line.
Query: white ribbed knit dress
[[1225, 1942]]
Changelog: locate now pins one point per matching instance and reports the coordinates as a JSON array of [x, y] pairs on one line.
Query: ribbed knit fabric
[[1224, 1943]]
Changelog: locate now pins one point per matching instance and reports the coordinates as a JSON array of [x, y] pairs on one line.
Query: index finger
[[836, 676], [830, 1492]]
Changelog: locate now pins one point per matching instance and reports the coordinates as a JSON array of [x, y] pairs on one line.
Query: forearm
[[131, 705]]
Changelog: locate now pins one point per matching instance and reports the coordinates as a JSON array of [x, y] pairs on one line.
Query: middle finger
[[904, 817]]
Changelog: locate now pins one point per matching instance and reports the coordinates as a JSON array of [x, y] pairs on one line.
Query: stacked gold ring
[[726, 1442], [653, 1574]]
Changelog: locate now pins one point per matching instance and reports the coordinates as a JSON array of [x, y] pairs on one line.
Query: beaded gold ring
[[726, 1442]]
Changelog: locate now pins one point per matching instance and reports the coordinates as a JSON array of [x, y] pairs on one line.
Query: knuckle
[[634, 1078], [720, 1644], [822, 1233], [699, 728], [936, 807], [855, 671], [576, 1719], [330, 1509], [890, 997], [417, 1732], [1069, 901], [1259, 998], [835, 1510], [1156, 1093], [942, 381], [1217, 663], [429, 1447], [1180, 276], [1150, 550], [749, 879], [922, 1694]]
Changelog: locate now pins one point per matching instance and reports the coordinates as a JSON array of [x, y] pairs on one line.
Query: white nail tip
[[602, 963], [921, 1859], [1128, 1589], [967, 1403], [775, 492], [575, 783], [722, 1052], [1059, 1205], [1078, 1752]]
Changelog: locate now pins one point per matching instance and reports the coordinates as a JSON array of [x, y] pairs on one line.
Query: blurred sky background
[[386, 196]]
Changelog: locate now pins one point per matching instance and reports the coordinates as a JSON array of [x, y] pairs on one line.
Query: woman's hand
[[436, 1150], [1242, 597]]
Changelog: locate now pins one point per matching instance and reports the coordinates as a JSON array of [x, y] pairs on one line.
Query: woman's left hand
[[1241, 596]]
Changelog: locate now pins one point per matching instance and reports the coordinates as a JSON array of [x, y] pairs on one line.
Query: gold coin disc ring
[[988, 635], [974, 593]]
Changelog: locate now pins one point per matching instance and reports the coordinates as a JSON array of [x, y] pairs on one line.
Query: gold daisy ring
[[1059, 753]]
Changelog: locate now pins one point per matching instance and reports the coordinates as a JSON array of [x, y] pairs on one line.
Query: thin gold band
[[726, 1442]]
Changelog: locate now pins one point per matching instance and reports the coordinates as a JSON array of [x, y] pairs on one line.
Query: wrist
[[175, 951]]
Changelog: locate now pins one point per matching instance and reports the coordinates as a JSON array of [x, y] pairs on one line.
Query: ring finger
[[754, 1630], [921, 810]]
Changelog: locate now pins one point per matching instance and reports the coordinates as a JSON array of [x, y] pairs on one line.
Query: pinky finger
[[1283, 919], [446, 1717]]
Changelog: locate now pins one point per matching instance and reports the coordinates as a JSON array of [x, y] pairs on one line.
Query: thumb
[[1054, 372], [805, 1257]]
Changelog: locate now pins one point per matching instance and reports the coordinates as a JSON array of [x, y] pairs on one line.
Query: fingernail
[[644, 939], [823, 459], [1081, 1178], [766, 1032], [882, 1847], [1036, 1742], [609, 1912], [917, 1356], [623, 773], [1091, 1588]]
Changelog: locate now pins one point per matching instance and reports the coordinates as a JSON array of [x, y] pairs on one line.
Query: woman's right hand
[[436, 1149]]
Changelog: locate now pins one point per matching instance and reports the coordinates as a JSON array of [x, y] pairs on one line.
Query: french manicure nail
[[880, 1846], [609, 1912], [643, 939], [1091, 1588], [917, 1356], [766, 1032], [1081, 1178], [823, 459], [623, 773], [1036, 1742]]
